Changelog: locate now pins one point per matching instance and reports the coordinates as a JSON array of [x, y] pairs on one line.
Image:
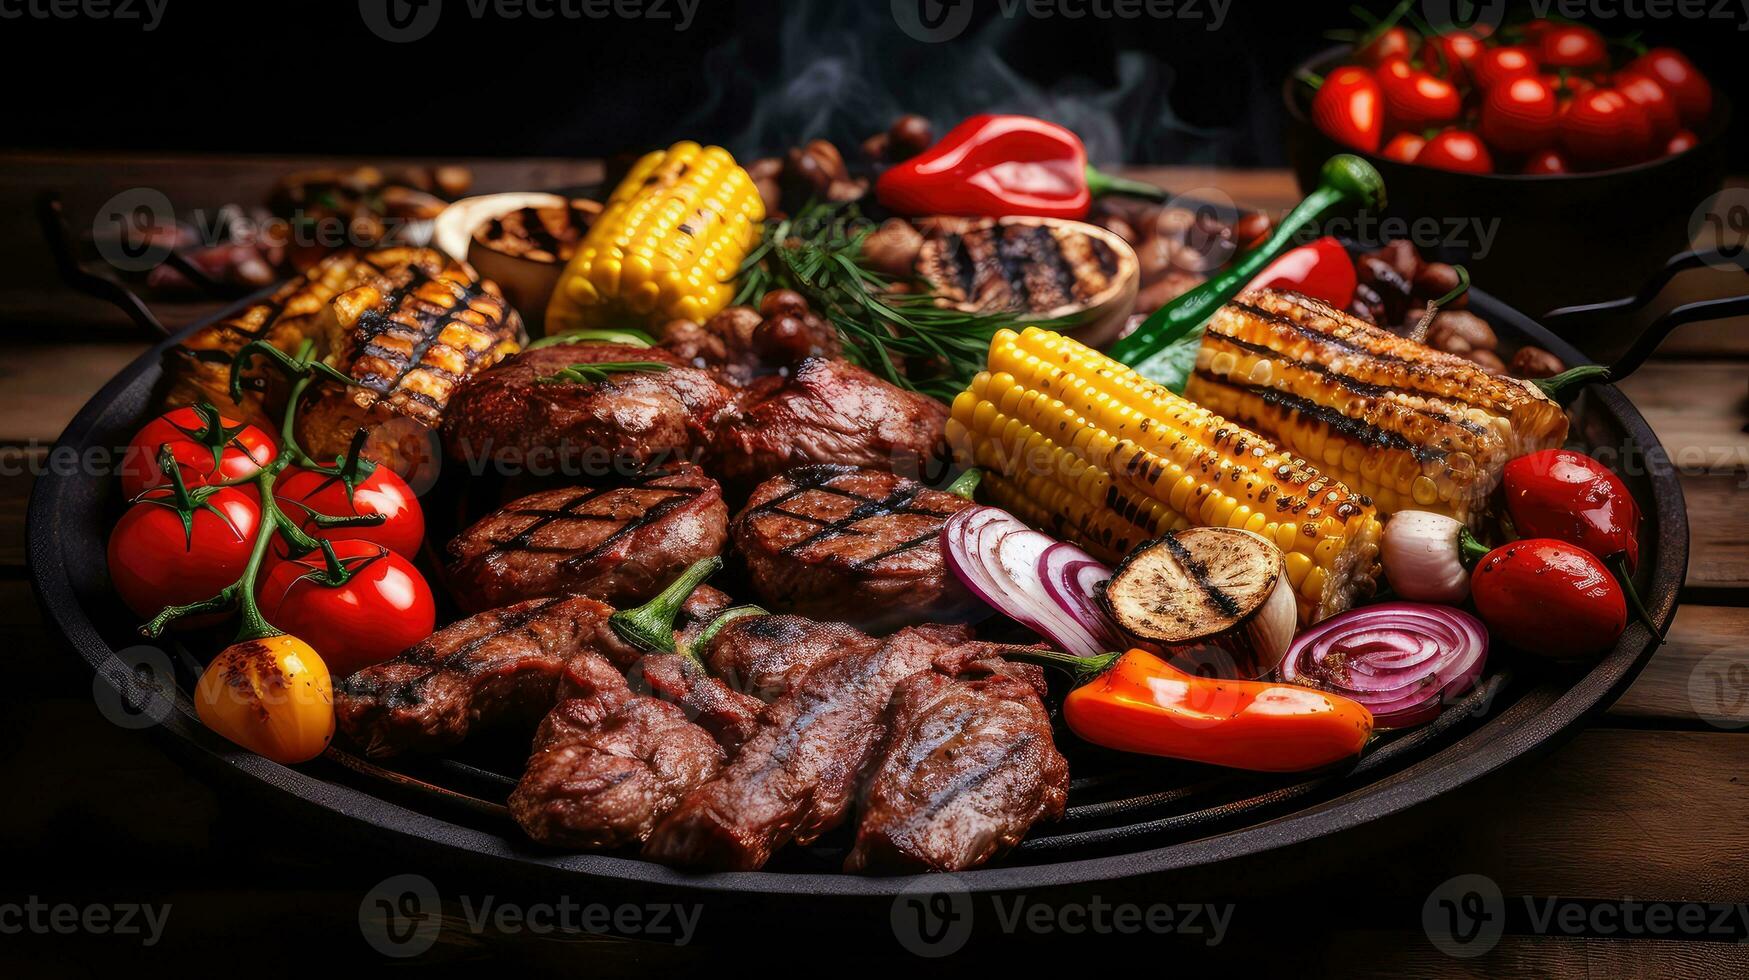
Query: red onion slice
[[997, 557], [1403, 660], [1072, 579]]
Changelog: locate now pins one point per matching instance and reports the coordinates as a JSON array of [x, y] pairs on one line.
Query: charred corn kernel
[[1375, 410], [666, 245], [1085, 448]]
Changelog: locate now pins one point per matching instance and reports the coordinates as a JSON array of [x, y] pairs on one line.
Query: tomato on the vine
[[1547, 163], [161, 555], [1683, 140], [383, 608], [1456, 149], [1451, 54], [1691, 91], [1572, 46], [207, 447], [1519, 115], [301, 492], [1393, 42], [1654, 100], [1415, 98], [1602, 129], [1495, 65], [1349, 109], [1404, 147]]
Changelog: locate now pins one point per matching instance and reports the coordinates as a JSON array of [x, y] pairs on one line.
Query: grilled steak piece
[[507, 417], [794, 780], [730, 716], [968, 767], [496, 668], [835, 542], [763, 655], [608, 763], [829, 411], [620, 545]]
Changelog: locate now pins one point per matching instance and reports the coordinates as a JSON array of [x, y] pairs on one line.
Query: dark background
[[283, 77]]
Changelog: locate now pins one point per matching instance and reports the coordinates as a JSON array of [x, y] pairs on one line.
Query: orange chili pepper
[[1137, 702]]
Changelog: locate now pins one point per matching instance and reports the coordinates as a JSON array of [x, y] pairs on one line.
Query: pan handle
[[60, 240], [1685, 313]]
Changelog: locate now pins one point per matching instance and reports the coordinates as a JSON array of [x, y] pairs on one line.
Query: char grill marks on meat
[[607, 763], [508, 417], [861, 546], [618, 544], [496, 668], [968, 767], [795, 779], [828, 411], [730, 716], [763, 655]]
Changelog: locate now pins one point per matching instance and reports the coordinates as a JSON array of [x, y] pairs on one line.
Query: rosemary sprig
[[599, 372], [906, 338]]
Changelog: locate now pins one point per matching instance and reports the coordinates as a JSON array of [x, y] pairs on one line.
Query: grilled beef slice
[[620, 545], [829, 411], [861, 546], [795, 778], [608, 763], [763, 655], [967, 768]]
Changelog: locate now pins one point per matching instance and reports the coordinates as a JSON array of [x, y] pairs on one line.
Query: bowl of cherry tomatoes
[[1534, 145]]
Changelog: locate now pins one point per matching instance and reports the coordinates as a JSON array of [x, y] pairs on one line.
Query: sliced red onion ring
[[997, 557], [1072, 578], [1403, 660]]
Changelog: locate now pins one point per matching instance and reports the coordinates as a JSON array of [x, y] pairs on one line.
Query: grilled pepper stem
[[1100, 183], [724, 618], [1345, 179], [651, 625]]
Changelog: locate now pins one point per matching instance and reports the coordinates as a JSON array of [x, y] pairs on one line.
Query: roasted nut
[[1154, 257], [846, 190], [1251, 228], [1392, 288], [783, 302], [892, 249], [1367, 305], [910, 135], [875, 147], [1401, 254], [1460, 332], [736, 325], [1165, 289], [827, 155], [1534, 362], [1115, 224], [765, 167], [807, 172], [1487, 360], [453, 181], [770, 194]]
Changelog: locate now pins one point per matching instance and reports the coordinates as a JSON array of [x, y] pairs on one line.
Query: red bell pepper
[[994, 166], [1322, 270]]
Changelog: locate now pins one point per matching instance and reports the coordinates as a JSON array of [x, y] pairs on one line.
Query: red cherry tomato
[[1547, 162], [1519, 115], [156, 561], [1415, 99], [1572, 46], [204, 453], [1682, 141], [1404, 147], [1549, 598], [1323, 270], [1568, 496], [1394, 42], [1692, 92], [301, 491], [1451, 54], [1495, 65], [1456, 149], [1533, 30], [384, 608], [1602, 129], [1649, 94], [1349, 109]]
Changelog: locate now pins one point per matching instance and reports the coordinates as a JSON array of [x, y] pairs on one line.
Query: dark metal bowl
[[1129, 816], [1591, 236]]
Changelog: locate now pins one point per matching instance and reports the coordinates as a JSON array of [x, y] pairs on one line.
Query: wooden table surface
[[1650, 803]]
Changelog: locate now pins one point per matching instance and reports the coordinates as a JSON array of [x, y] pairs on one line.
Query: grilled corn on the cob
[[1082, 446], [1411, 427], [666, 246], [200, 368], [407, 342]]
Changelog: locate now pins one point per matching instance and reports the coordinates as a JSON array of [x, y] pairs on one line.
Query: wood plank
[[1406, 954], [1700, 674]]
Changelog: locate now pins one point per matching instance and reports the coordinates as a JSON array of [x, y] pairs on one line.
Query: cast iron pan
[[1129, 816]]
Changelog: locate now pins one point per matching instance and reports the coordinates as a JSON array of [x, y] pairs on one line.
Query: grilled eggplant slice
[[407, 343], [1208, 590], [1080, 277], [200, 368], [525, 248]]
